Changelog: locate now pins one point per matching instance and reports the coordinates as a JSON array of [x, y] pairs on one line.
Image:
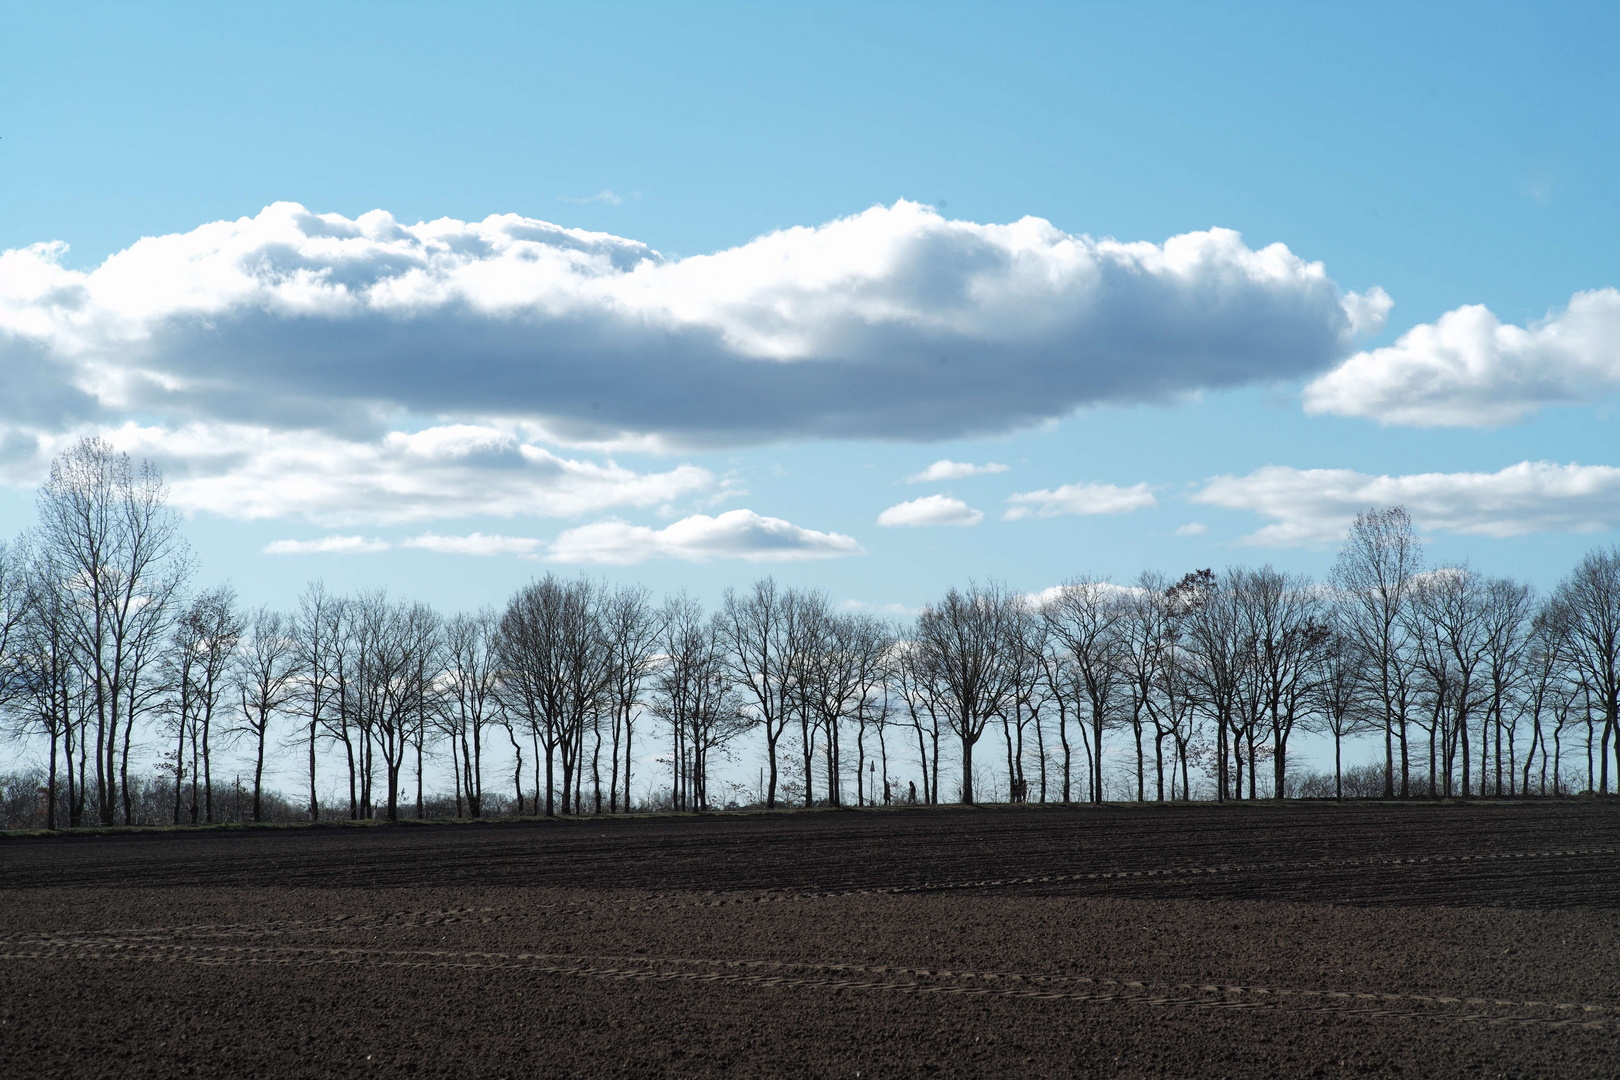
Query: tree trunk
[[314, 802], [258, 775], [967, 771]]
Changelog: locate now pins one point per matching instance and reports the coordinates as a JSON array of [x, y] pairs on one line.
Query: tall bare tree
[[1086, 618], [1375, 570], [922, 697], [631, 629], [966, 642], [108, 529], [204, 645], [40, 674], [1590, 600], [468, 704], [1344, 704], [1509, 610], [265, 669], [1285, 628], [694, 693], [762, 636], [316, 645], [554, 670]]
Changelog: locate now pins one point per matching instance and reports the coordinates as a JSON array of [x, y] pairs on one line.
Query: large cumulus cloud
[[895, 322]]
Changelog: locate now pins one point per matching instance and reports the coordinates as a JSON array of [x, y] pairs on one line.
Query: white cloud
[[930, 510], [1192, 528], [474, 544], [449, 471], [606, 195], [868, 607], [1106, 590], [892, 322], [1079, 499], [1467, 369], [945, 469], [735, 534], [1316, 506], [327, 545]]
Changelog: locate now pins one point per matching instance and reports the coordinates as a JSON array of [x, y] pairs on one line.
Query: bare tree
[[423, 628], [1375, 570], [631, 630], [198, 664], [1175, 704], [1085, 618], [1509, 610], [386, 687], [760, 629], [1342, 693], [694, 693], [333, 649], [40, 675], [1283, 624], [870, 641], [1145, 637], [1059, 675], [966, 643], [554, 671], [1546, 687], [265, 666], [915, 686], [14, 610], [1590, 600], [108, 529], [317, 645], [467, 703]]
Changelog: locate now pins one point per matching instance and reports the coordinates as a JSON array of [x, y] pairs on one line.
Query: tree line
[[1472, 685]]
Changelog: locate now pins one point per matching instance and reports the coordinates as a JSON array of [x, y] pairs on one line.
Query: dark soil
[[1235, 941]]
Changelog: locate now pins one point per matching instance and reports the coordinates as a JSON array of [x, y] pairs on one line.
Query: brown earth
[[1236, 941]]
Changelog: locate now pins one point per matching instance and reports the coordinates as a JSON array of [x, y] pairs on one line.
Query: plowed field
[[1232, 941]]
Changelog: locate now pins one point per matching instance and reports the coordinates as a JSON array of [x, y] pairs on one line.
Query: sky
[[873, 298]]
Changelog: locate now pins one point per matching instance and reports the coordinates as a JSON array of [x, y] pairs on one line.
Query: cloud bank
[[1316, 506], [735, 534], [1468, 369], [892, 323], [455, 470]]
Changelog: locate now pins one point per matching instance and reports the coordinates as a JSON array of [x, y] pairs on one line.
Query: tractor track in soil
[[1437, 1007], [676, 901]]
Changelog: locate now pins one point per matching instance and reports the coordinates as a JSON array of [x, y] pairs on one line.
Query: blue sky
[[1448, 156]]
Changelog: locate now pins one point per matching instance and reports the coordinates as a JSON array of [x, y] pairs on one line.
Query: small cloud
[[327, 545], [945, 469], [1540, 187], [1080, 499], [604, 196], [474, 544], [735, 534], [867, 607], [1105, 590], [1193, 528], [930, 510]]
